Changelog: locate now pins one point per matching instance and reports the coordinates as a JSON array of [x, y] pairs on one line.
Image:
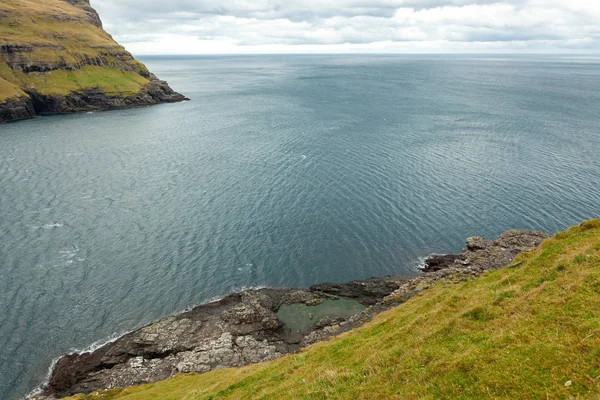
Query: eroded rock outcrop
[[244, 328], [479, 256], [240, 329], [17, 108]]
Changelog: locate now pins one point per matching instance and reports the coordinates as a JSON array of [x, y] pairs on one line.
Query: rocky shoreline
[[36, 104], [247, 327]]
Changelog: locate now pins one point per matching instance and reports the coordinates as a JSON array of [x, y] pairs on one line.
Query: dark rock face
[[93, 100], [17, 57], [156, 92], [367, 292], [15, 48], [438, 262], [243, 328], [16, 109]]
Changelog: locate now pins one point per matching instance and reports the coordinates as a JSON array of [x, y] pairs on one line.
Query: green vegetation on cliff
[[531, 330], [112, 81], [54, 52], [9, 90]]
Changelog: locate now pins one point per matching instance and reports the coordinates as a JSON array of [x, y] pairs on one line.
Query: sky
[[148, 27]]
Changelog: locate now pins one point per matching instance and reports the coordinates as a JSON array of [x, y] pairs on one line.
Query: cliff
[[472, 327], [263, 325], [56, 58]]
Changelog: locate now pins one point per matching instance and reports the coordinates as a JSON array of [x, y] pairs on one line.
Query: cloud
[[263, 26]]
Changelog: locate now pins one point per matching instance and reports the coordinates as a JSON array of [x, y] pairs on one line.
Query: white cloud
[[310, 26]]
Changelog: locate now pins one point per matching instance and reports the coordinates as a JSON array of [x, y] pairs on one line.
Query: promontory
[[56, 58]]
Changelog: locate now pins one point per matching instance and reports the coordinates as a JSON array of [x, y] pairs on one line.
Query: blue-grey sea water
[[281, 171]]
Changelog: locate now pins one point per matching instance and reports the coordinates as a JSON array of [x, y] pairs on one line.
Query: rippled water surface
[[282, 171]]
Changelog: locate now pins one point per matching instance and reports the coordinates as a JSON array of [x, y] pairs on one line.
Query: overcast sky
[[343, 26]]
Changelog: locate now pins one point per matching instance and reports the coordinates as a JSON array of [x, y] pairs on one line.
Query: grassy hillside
[[529, 331], [56, 58], [56, 29], [56, 47], [112, 81], [9, 90]]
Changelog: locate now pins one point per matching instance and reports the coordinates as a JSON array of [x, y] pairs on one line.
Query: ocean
[[282, 171]]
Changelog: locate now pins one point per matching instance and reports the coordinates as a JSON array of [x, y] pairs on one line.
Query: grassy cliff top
[[529, 331], [55, 33], [56, 47]]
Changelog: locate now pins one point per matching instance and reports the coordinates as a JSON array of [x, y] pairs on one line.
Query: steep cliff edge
[[264, 324], [56, 58], [526, 330]]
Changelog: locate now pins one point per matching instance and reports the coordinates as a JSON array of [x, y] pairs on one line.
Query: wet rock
[[238, 330], [314, 302], [437, 262], [328, 321], [366, 292]]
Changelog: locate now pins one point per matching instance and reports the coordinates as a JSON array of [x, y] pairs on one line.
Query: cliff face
[[470, 327], [56, 58]]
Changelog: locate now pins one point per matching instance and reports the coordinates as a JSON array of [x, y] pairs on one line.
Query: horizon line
[[587, 54]]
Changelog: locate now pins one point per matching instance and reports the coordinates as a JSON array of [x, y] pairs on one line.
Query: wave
[[52, 226], [419, 264]]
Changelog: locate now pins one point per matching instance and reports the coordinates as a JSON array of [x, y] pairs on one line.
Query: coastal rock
[[238, 330], [482, 254], [243, 328], [479, 256], [16, 109], [475, 243], [438, 262], [367, 292], [328, 321], [155, 92]]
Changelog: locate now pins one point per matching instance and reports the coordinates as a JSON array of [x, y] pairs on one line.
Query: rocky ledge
[[36, 104], [16, 109], [156, 92], [247, 327]]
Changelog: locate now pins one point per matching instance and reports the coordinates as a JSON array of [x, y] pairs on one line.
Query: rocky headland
[[56, 58], [260, 325]]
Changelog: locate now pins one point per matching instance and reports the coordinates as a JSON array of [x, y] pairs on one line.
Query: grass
[[531, 331], [9, 91], [60, 35], [112, 81]]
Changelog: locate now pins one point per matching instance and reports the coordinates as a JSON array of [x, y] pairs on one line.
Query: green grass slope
[[56, 58], [58, 46], [529, 331], [10, 90]]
